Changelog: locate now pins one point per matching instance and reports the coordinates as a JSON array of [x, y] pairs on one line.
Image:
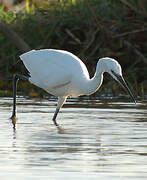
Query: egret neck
[[93, 84]]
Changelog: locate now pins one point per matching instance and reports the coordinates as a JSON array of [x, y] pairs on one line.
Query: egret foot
[[14, 119]]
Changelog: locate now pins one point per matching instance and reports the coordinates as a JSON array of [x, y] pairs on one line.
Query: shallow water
[[97, 140]]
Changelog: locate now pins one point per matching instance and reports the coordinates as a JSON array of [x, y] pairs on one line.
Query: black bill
[[123, 83]]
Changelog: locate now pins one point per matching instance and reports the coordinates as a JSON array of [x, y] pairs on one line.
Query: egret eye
[[114, 73]]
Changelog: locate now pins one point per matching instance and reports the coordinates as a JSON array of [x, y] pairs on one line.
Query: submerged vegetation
[[88, 28]]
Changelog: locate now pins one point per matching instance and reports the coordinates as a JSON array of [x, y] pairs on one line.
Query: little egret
[[63, 74]]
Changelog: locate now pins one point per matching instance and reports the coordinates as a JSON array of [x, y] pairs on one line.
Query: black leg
[[61, 101], [54, 117], [16, 77]]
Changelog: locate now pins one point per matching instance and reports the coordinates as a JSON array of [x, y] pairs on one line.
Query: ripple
[[96, 140]]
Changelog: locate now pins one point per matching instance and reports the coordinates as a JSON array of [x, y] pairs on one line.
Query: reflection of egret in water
[[69, 151], [62, 74], [14, 139]]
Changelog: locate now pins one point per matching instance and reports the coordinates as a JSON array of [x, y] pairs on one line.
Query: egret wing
[[47, 69]]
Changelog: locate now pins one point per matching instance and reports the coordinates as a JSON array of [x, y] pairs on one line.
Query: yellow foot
[[14, 118]]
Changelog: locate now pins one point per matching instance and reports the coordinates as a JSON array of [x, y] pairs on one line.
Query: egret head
[[112, 67]]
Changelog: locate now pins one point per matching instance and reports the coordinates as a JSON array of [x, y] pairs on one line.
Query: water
[[96, 141]]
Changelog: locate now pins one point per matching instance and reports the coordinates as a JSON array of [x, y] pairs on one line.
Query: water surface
[[97, 140]]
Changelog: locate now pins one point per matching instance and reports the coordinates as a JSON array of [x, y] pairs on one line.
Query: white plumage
[[56, 71], [63, 74]]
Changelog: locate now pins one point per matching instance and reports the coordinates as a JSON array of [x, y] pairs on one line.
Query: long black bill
[[123, 83]]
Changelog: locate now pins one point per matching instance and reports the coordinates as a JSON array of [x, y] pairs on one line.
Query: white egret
[[63, 74]]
